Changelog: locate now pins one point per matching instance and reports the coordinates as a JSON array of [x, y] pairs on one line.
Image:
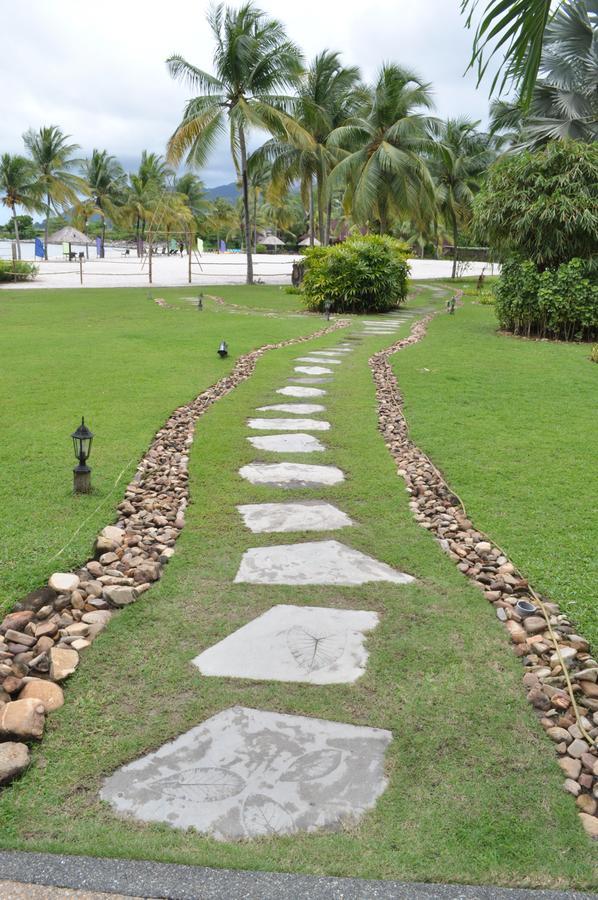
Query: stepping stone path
[[247, 773], [294, 643]]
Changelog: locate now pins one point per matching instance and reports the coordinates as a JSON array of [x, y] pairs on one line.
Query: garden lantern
[[200, 303], [82, 440], [327, 308], [223, 349]]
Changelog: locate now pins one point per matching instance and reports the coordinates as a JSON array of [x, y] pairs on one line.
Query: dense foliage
[[542, 206], [16, 270], [556, 303], [363, 275]]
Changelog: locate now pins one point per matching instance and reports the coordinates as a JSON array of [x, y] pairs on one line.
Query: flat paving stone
[[296, 379], [313, 370], [287, 443], [296, 391], [309, 644], [331, 353], [310, 515], [314, 359], [291, 475], [300, 409], [247, 773], [276, 424], [314, 562]]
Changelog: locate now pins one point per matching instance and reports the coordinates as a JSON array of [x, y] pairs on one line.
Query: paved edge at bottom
[[181, 882]]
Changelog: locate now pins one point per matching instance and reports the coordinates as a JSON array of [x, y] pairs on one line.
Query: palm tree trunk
[[246, 222], [16, 224], [47, 226], [102, 254], [328, 221], [255, 222], [320, 186], [311, 211], [455, 242]]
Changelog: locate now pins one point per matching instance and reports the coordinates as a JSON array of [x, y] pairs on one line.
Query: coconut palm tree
[[17, 178], [459, 157], [53, 161], [146, 187], [106, 182], [193, 190], [253, 62], [385, 167]]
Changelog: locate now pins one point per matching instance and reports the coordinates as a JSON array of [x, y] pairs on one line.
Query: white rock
[[64, 582]]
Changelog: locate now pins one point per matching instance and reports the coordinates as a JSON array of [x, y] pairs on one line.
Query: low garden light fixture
[[327, 308], [82, 440], [200, 303], [223, 349]]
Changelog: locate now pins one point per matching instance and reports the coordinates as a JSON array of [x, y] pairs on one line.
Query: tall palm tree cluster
[[337, 154]]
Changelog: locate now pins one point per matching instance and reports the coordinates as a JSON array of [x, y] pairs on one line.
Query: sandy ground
[[210, 268]]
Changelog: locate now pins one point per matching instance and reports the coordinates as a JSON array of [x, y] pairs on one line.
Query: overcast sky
[[97, 69]]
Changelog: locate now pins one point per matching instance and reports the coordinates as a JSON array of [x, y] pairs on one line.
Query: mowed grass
[[475, 793], [513, 424], [123, 362]]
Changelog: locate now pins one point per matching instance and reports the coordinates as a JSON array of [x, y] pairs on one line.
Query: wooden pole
[[150, 260], [189, 260], [81, 269]]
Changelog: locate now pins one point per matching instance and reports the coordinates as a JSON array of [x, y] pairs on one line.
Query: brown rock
[[46, 629], [48, 693], [559, 734], [577, 748], [23, 718], [14, 759], [584, 802], [94, 568], [590, 823], [62, 663], [534, 624], [572, 787], [12, 684], [120, 595], [517, 633], [63, 582], [571, 767], [589, 688], [19, 637], [16, 620]]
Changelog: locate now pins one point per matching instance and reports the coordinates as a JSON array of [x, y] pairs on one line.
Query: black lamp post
[[223, 349], [200, 303], [82, 439], [327, 308]]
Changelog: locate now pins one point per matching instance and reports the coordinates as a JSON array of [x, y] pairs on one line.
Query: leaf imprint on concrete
[[201, 785], [261, 815], [312, 652], [313, 765]]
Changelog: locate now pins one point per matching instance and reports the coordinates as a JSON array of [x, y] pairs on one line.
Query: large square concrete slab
[[299, 409], [291, 475], [287, 443], [313, 370], [311, 515], [296, 391], [247, 773], [275, 424], [294, 643], [314, 562]]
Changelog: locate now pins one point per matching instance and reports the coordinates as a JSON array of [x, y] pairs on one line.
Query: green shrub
[[594, 353], [16, 270], [560, 303], [362, 275]]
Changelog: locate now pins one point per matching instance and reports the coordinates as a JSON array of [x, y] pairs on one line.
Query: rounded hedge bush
[[362, 275], [556, 303]]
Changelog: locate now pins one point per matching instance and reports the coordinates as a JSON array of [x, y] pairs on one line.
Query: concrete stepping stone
[[247, 773], [275, 424], [297, 391], [314, 359], [291, 475], [330, 352], [300, 409], [314, 562], [296, 379], [309, 515], [287, 443], [313, 370], [294, 643]]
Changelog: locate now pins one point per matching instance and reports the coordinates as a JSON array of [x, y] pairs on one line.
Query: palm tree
[[253, 61], [460, 156], [106, 182], [384, 166], [222, 218], [328, 95], [52, 160], [193, 190], [17, 186], [515, 28], [146, 187]]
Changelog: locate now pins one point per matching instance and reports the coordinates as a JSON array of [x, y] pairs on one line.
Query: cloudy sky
[[97, 68]]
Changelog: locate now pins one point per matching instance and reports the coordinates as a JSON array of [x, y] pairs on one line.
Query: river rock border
[[561, 677], [42, 638]]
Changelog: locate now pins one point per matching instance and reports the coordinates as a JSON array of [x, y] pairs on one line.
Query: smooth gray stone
[[247, 773], [310, 644], [314, 562], [295, 391], [300, 409], [291, 475], [314, 359], [287, 443], [313, 370], [308, 515], [330, 353], [297, 380], [280, 424]]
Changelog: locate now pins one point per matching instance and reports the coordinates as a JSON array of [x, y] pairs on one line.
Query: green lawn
[[123, 362], [513, 424], [475, 793]]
